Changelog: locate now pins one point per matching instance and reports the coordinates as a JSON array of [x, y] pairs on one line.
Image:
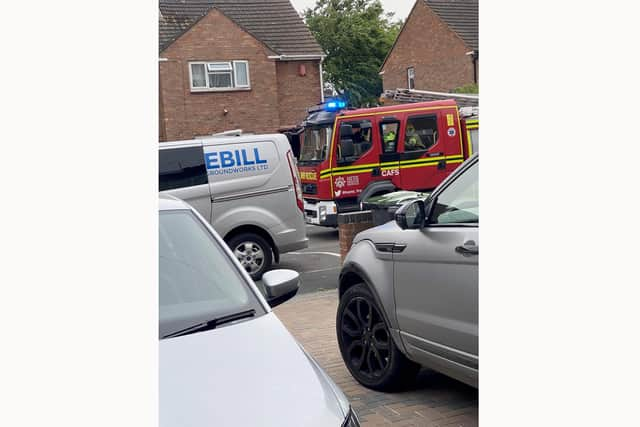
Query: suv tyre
[[366, 345]]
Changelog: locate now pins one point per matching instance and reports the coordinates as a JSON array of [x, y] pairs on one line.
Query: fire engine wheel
[[253, 252]]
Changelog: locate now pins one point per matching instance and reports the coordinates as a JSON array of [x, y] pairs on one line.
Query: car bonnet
[[246, 374]]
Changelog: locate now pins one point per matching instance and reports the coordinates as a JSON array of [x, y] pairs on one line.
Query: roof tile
[[461, 16], [274, 22]]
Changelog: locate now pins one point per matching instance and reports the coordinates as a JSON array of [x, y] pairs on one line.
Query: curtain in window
[[198, 79], [220, 80], [242, 75]]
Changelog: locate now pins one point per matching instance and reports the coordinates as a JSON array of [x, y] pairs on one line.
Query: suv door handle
[[469, 248]]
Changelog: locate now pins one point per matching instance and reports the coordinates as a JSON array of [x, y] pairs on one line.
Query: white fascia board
[[297, 57]]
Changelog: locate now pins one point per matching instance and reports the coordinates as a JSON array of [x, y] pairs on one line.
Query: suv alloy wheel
[[366, 344]]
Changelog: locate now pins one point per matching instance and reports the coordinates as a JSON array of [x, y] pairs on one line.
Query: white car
[[225, 358]]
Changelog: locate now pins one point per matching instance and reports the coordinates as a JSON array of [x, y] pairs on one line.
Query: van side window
[[389, 136], [421, 133], [355, 139], [182, 167]]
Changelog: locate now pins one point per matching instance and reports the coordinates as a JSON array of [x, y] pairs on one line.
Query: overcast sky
[[400, 7]]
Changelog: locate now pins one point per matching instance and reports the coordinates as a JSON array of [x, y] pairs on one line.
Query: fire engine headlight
[[322, 210]]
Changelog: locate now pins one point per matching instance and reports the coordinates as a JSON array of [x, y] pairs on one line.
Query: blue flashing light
[[335, 105]]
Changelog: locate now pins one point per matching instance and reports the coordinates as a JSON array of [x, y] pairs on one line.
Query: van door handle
[[375, 172], [469, 248]]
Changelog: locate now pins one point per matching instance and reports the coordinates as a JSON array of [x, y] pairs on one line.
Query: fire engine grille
[[309, 188]]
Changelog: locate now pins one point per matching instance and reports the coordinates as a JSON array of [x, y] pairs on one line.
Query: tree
[[356, 35]]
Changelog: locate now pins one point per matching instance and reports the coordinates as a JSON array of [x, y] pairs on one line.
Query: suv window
[[421, 133], [182, 167], [458, 203]]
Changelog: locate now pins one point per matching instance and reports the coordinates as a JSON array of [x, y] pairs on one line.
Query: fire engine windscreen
[[315, 144]]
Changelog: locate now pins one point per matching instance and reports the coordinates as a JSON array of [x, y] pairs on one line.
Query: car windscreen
[[315, 144], [198, 281]]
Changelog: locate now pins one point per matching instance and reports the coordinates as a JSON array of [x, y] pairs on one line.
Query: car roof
[[167, 202]]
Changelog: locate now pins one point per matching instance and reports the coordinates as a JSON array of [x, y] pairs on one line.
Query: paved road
[[433, 401], [319, 263]]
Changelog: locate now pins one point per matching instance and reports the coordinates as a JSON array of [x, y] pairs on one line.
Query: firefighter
[[389, 139], [412, 139], [357, 133]]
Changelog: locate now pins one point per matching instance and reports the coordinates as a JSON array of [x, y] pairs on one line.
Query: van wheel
[[366, 345], [253, 252]]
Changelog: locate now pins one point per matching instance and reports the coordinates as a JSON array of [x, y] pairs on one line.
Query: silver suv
[[409, 289]]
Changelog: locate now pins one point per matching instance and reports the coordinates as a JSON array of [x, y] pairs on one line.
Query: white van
[[247, 187]]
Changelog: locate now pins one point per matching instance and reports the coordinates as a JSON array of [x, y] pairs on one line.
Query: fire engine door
[[422, 153], [389, 158], [356, 157]]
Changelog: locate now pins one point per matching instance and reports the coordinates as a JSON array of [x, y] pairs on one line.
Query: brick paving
[[434, 401]]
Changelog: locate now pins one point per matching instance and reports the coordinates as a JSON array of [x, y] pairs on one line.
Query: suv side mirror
[[411, 215], [280, 285]]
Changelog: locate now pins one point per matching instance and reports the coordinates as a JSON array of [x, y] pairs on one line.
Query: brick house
[[437, 48], [234, 64]]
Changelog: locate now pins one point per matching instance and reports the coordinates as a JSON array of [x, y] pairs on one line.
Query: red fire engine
[[347, 156]]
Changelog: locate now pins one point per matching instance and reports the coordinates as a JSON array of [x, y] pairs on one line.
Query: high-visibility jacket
[[390, 137], [414, 141]]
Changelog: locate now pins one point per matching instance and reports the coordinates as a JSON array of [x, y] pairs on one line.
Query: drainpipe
[[321, 80], [474, 54]]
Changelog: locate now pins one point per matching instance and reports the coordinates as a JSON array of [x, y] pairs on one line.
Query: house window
[[212, 76], [411, 78]]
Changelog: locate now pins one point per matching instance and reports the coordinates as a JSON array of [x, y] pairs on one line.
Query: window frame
[[419, 116], [411, 80], [235, 75], [382, 123], [233, 72], [359, 122]]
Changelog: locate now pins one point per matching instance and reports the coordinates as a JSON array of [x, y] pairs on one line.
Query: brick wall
[[433, 49], [184, 114], [296, 93], [350, 224]]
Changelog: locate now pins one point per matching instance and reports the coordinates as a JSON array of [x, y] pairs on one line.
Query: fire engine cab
[[349, 155]]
